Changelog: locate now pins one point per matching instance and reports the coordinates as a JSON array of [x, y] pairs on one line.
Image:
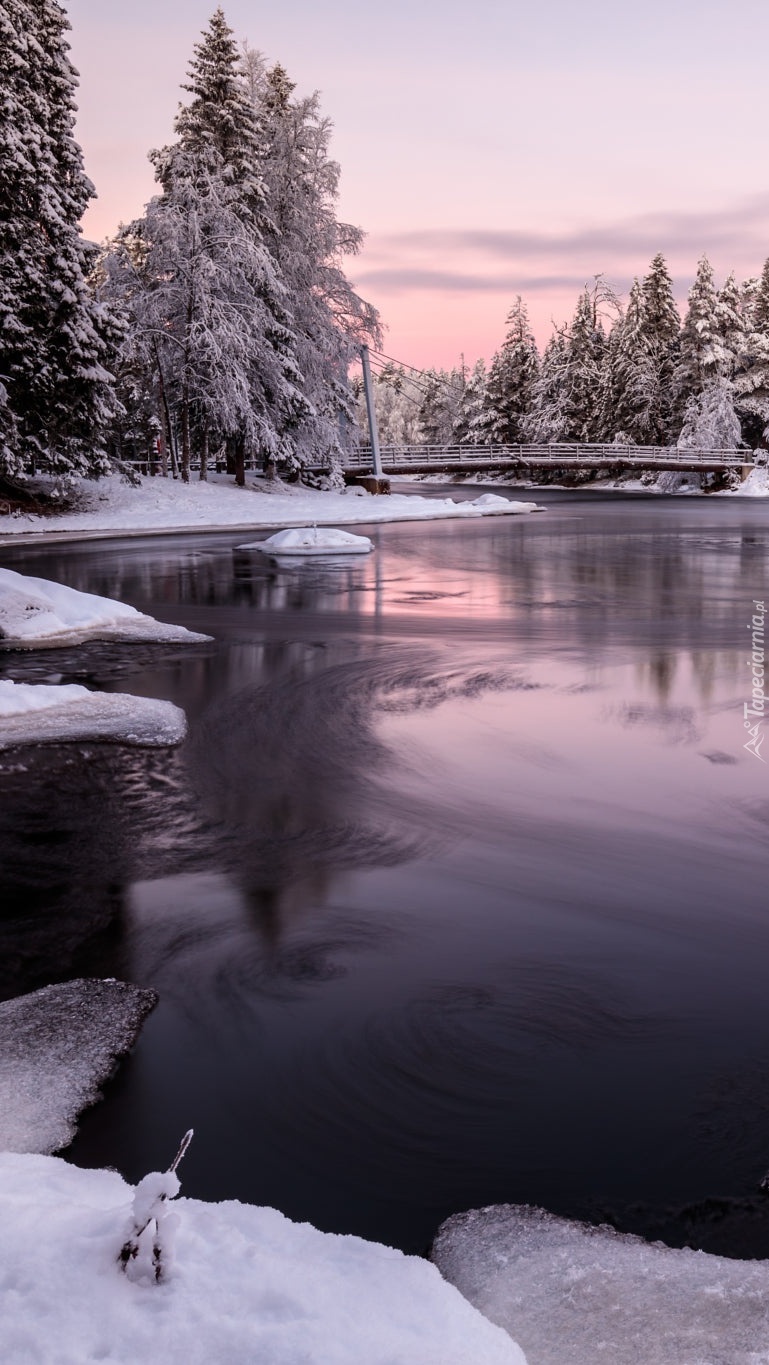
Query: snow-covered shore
[[245, 1285], [111, 507]]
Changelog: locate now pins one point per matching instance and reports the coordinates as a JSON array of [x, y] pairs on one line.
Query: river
[[456, 893]]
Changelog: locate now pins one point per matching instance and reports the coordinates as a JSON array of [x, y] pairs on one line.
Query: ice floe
[[246, 1285], [38, 713], [57, 1048], [573, 1294], [313, 540], [36, 610]]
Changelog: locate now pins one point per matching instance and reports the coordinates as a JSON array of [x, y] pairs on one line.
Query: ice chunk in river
[[57, 1048], [38, 611], [313, 540], [34, 713], [573, 1294]]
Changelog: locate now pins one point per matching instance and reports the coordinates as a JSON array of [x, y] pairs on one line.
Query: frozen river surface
[[456, 893]]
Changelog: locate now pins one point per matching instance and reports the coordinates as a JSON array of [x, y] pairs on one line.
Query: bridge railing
[[552, 453]]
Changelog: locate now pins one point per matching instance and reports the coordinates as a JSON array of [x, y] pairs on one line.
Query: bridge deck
[[474, 459]]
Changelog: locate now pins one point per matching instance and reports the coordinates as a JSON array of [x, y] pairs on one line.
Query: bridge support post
[[368, 389]]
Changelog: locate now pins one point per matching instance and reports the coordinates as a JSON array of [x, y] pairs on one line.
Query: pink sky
[[487, 150]]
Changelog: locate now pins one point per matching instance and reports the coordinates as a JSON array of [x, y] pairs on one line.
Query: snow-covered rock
[[36, 610], [32, 713], [574, 1294], [313, 540], [491, 503], [57, 1048], [247, 1285]]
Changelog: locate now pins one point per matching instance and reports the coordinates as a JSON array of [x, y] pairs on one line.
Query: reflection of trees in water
[[299, 784], [77, 823], [283, 783]]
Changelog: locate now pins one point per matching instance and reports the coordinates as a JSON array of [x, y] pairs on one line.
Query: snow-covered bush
[[147, 1253]]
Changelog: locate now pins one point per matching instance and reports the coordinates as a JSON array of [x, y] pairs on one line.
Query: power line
[[429, 376]]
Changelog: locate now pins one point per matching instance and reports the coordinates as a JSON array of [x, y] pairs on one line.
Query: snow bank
[[31, 713], [573, 1294], [111, 506], [57, 1048], [310, 540], [247, 1285], [35, 609], [756, 485]]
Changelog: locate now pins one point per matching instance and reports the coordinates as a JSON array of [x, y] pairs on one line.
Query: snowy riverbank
[[245, 1284], [112, 507]]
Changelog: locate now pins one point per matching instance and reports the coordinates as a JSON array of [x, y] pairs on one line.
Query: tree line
[[623, 375]]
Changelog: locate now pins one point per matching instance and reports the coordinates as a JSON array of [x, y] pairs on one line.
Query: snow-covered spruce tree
[[469, 427], [732, 323], [56, 339], [629, 380], [704, 353], [209, 308], [329, 319], [546, 419], [511, 379], [582, 378], [710, 422], [751, 384], [662, 327]]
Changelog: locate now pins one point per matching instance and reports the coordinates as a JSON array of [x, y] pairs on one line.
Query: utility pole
[[372, 426]]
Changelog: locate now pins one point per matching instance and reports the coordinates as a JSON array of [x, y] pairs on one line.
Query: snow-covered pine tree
[[751, 385], [704, 355], [56, 339], [329, 319], [511, 379], [630, 379], [732, 323], [546, 419], [469, 426], [662, 327], [582, 379], [710, 422]]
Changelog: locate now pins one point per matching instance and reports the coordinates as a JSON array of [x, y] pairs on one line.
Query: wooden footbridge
[[472, 459]]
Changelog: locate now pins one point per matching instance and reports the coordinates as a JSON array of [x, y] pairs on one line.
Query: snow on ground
[[32, 713], [110, 506], [311, 540], [572, 1294], [246, 1285], [755, 486], [57, 1048], [35, 610]]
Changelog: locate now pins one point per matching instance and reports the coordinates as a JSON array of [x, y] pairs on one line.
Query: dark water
[[457, 891]]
